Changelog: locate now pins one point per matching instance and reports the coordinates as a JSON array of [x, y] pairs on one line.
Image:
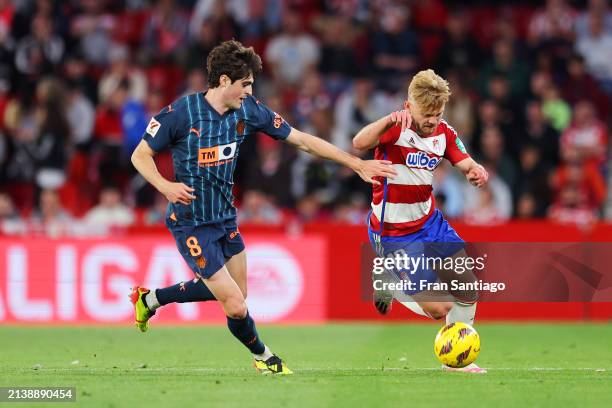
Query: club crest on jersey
[[240, 127], [216, 155], [421, 160], [278, 120]]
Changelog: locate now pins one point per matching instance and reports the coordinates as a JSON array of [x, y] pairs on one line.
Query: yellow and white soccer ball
[[457, 345]]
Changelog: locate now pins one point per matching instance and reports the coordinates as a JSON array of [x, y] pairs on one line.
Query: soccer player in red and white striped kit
[[403, 219]]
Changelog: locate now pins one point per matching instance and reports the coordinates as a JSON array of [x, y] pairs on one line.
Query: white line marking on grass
[[308, 369]]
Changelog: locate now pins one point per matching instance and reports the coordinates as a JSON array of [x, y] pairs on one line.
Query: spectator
[[539, 82], [25, 11], [92, 28], [526, 206], [395, 46], [200, 46], [506, 30], [11, 222], [270, 173], [355, 108], [51, 218], [110, 211], [22, 128], [429, 16], [556, 110], [571, 208], [489, 205], [205, 11], [265, 16], [587, 136], [257, 208], [134, 118], [338, 56], [196, 81], [224, 22], [50, 148], [308, 209], [504, 63], [460, 51], [448, 191], [539, 133], [356, 10], [485, 211], [352, 210], [494, 154], [488, 116], [7, 49], [40, 52], [80, 113], [533, 180], [555, 22], [312, 96], [156, 215], [596, 48], [122, 69], [579, 84], [7, 13], [292, 53], [108, 130], [166, 33], [579, 186], [594, 9], [460, 109], [78, 72], [311, 174], [511, 115]]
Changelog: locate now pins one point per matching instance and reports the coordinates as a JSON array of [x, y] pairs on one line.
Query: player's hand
[[178, 193], [368, 169], [401, 118], [477, 176]]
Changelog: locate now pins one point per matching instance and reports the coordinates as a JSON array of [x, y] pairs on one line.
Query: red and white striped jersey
[[407, 201]]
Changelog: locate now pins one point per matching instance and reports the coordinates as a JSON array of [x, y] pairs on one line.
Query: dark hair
[[233, 59], [55, 119]]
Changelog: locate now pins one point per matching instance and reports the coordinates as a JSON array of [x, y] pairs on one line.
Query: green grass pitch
[[339, 365]]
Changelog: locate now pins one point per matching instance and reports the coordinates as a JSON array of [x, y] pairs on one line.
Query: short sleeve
[[268, 121], [455, 150], [162, 129], [390, 136]]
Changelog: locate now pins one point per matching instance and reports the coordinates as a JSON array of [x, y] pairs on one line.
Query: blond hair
[[428, 90]]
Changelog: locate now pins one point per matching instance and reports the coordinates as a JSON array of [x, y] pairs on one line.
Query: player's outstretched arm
[[142, 159], [474, 172], [369, 136], [367, 169]]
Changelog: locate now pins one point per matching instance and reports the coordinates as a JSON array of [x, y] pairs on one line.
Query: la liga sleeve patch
[[153, 127]]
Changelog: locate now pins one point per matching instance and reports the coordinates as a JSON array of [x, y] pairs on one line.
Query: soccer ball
[[457, 345]]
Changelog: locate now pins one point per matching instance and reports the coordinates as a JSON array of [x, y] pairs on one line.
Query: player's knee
[[466, 296], [235, 308], [438, 310]]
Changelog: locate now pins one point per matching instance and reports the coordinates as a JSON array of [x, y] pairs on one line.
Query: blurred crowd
[[79, 80]]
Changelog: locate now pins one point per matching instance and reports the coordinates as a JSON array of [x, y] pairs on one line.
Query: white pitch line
[[233, 370]]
